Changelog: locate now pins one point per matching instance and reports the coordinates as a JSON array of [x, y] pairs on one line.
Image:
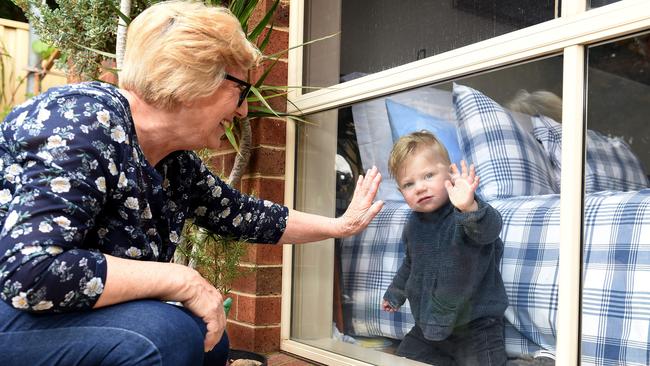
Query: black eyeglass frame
[[244, 92]]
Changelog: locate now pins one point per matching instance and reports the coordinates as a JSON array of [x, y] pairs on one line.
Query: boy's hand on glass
[[385, 305], [461, 186]]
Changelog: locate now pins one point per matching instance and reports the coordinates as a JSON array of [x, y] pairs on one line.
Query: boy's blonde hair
[[178, 51], [408, 144]]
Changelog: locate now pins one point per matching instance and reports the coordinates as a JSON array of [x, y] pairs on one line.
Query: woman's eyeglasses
[[244, 86]]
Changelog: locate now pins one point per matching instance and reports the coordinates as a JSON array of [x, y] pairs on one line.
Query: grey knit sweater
[[450, 274]]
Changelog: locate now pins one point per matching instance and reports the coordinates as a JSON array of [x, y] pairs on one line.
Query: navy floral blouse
[[74, 184]]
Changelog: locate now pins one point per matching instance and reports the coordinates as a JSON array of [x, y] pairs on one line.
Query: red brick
[[260, 281], [269, 131], [282, 14], [278, 75], [266, 162], [269, 189], [279, 42], [263, 254], [256, 339], [280, 18], [259, 310], [278, 103], [283, 359]]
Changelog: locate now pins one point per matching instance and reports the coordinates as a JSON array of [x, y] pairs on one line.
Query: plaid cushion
[[611, 165], [369, 261], [508, 159], [616, 281]]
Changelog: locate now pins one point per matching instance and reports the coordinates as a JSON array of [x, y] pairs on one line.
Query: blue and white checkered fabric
[[508, 159], [610, 166], [369, 261], [616, 295]]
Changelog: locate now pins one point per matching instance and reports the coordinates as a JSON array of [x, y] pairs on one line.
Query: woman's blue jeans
[[144, 332]]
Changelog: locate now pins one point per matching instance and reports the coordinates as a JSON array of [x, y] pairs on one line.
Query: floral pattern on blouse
[[74, 184]]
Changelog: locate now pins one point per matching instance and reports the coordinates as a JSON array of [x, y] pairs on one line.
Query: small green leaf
[[278, 54], [124, 17], [106, 54], [231, 138], [261, 99]]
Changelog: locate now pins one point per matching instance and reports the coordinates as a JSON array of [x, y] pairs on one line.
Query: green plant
[[216, 257], [74, 26]]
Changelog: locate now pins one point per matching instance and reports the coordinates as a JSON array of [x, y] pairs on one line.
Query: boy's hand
[[461, 187], [385, 305]]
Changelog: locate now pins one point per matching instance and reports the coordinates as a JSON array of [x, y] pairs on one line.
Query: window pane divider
[[571, 208]]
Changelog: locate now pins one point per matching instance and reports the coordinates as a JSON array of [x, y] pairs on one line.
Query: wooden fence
[[15, 39]]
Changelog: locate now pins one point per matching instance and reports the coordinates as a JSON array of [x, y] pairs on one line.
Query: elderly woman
[[96, 183]]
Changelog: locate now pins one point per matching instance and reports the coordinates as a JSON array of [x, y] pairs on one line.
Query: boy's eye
[[428, 176], [407, 185]]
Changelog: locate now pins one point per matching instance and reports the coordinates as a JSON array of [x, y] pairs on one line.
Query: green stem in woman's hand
[[227, 303]]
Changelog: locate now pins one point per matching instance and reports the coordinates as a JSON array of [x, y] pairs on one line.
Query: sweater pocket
[[442, 306], [440, 311]]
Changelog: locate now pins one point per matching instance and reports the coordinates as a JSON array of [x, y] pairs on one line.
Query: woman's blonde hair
[[408, 144], [177, 51]]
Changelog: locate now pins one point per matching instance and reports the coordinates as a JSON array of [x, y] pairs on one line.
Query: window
[[542, 77]]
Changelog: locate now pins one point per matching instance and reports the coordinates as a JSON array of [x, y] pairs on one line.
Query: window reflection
[[599, 3], [618, 104], [517, 178], [381, 34]]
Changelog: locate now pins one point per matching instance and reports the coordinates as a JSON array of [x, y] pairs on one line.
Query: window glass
[[488, 119], [599, 3], [376, 35], [616, 252]]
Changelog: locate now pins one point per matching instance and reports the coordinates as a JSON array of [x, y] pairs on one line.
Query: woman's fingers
[[206, 302], [367, 185], [215, 329]]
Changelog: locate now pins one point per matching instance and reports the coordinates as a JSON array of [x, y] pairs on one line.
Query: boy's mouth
[[424, 199]]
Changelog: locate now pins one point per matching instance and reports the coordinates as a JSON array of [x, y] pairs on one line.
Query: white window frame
[[568, 35]]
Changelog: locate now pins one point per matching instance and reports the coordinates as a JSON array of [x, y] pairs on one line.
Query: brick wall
[[254, 321]]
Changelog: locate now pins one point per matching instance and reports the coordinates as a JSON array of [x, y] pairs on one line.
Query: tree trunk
[[120, 46], [241, 160]]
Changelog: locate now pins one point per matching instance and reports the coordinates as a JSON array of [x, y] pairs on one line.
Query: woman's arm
[[129, 279], [304, 227]]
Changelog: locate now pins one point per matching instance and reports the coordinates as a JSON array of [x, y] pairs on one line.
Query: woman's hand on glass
[[362, 209]]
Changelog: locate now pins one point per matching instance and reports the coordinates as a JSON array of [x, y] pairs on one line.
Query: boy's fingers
[[453, 169]]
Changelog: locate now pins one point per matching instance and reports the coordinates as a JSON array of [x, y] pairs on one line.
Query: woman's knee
[[175, 333]]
